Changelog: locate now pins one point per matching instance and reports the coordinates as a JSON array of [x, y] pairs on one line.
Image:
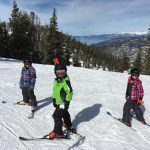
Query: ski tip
[[21, 138], [108, 113]]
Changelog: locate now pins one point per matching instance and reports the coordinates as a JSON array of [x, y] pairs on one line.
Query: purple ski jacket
[[28, 77]]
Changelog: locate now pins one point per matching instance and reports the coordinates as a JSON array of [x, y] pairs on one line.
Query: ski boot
[[53, 135]]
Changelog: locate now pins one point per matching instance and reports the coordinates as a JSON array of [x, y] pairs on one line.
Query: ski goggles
[[27, 64], [134, 75], [60, 73]]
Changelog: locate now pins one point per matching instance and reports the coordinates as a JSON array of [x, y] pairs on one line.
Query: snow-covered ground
[[95, 92]]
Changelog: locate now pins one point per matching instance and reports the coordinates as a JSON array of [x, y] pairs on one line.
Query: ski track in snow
[[95, 92]]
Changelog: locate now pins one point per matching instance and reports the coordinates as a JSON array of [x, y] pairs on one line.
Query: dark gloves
[[54, 104], [66, 104], [20, 85]]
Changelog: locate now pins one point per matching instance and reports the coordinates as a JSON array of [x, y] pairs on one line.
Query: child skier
[[62, 95], [27, 83], [134, 96]]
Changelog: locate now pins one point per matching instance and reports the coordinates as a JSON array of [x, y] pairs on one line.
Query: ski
[[77, 134], [30, 139], [120, 120], [41, 138], [16, 103], [146, 124], [22, 103], [69, 132], [5, 102]]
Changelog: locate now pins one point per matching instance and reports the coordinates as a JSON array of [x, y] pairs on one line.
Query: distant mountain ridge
[[129, 45], [93, 39]]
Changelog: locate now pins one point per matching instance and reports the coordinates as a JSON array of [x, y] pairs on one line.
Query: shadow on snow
[[84, 116], [45, 102]]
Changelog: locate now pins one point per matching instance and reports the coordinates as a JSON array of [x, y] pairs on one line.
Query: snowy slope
[[95, 92]]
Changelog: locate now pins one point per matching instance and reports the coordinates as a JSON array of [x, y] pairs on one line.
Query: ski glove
[[54, 104], [140, 101], [21, 86]]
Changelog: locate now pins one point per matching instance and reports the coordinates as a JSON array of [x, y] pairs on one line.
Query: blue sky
[[87, 17]]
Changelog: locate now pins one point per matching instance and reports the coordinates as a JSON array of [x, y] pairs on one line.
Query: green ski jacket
[[62, 91]]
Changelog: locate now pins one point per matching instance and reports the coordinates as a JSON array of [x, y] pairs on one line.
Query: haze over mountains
[[92, 39], [119, 43]]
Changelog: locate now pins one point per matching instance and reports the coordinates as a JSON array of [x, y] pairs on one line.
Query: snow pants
[[132, 104], [61, 115], [28, 94]]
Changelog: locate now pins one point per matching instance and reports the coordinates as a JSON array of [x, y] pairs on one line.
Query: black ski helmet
[[135, 71], [60, 67], [27, 60]]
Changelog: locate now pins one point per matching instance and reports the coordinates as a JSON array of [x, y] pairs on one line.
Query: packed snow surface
[[95, 93]]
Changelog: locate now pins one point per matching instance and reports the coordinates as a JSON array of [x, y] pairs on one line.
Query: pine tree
[[138, 61], [23, 37], [76, 59], [34, 37], [28, 37], [147, 63], [43, 44], [4, 40], [66, 49], [125, 63], [54, 45], [13, 30]]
